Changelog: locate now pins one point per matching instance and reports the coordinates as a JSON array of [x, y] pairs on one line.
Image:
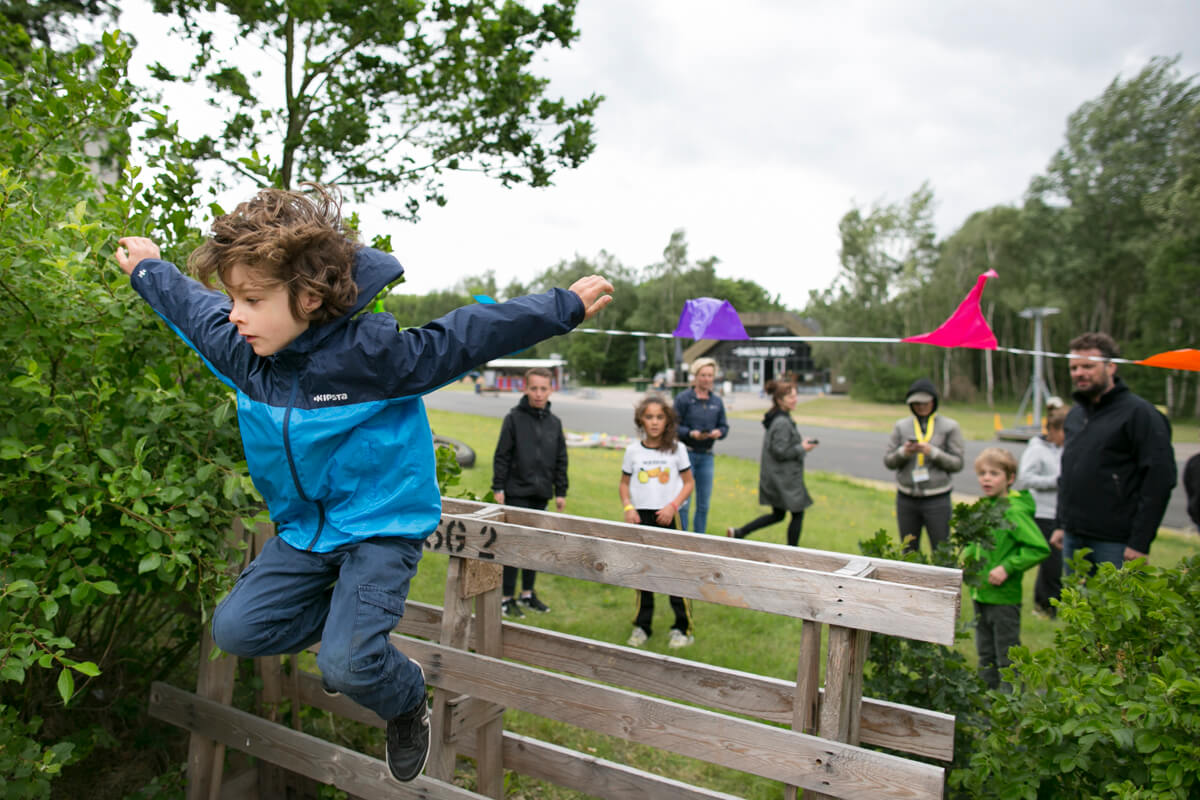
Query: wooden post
[[206, 758], [456, 621], [489, 737], [808, 681]]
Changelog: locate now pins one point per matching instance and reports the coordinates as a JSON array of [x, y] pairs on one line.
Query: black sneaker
[[328, 691], [408, 741], [533, 603], [510, 608]]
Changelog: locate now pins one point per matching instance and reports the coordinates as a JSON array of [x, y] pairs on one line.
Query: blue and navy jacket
[[335, 433]]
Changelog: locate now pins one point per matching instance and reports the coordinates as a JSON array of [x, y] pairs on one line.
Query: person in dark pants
[[1038, 472], [701, 415], [924, 450], [1118, 465], [529, 467], [781, 466]]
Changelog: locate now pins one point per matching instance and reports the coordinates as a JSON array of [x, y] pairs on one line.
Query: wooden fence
[[794, 732]]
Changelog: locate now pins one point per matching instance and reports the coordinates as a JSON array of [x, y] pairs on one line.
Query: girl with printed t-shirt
[[656, 477]]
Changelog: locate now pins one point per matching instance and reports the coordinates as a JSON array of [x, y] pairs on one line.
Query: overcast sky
[[754, 126]]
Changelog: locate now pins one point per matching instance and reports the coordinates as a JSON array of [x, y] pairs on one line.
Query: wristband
[[628, 507]]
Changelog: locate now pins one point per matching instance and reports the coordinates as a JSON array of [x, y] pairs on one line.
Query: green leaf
[[87, 668], [66, 685], [149, 563], [106, 587]]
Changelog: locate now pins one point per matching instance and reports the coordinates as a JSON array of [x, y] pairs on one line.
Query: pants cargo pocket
[[377, 614]]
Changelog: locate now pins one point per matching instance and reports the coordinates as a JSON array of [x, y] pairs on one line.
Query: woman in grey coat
[[781, 467]]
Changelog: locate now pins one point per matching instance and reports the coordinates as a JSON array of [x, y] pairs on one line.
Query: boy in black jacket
[[530, 466]]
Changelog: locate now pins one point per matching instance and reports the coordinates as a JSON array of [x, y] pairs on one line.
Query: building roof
[[792, 322]]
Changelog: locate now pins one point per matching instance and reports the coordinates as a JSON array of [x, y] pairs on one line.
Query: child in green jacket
[[1014, 549]]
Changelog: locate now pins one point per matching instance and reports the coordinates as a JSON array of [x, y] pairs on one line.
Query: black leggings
[[776, 515]]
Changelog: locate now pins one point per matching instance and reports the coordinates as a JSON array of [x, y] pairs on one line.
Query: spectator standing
[[781, 466], [528, 468], [1118, 465], [1038, 472], [1191, 484], [656, 479], [924, 450], [1013, 549], [701, 415]]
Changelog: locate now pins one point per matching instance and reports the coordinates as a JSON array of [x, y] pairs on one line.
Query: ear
[[309, 302]]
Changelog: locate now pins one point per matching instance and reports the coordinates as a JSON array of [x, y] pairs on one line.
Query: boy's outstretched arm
[[132, 249], [594, 292]]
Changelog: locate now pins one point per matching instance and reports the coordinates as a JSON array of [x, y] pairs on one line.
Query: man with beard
[[1118, 466]]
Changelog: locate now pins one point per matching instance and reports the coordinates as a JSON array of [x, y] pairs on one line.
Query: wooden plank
[[775, 753], [294, 751], [843, 684], [925, 575], [593, 776], [468, 713], [206, 757], [806, 705], [243, 786], [913, 612], [455, 630], [489, 757], [892, 725], [480, 577]]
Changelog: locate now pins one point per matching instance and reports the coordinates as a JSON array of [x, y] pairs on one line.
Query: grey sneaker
[[677, 638], [638, 637], [533, 603], [408, 740]]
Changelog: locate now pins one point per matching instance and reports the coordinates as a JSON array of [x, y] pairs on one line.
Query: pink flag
[[966, 327]]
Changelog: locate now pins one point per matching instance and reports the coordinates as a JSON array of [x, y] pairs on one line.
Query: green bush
[[880, 382], [1113, 708], [119, 456]]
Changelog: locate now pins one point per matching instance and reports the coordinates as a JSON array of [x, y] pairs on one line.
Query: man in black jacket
[[529, 467], [1118, 466]]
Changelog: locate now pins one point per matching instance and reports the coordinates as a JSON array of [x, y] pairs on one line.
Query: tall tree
[[1117, 156], [386, 94]]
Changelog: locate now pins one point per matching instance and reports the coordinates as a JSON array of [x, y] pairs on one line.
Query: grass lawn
[[844, 513]]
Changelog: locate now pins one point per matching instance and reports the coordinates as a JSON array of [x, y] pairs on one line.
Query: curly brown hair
[[670, 433], [296, 239]]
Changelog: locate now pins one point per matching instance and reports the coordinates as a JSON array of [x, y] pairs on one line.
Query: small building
[[508, 374], [748, 365]]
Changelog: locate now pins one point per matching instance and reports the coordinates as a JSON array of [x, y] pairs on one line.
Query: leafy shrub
[[118, 453], [1113, 708]]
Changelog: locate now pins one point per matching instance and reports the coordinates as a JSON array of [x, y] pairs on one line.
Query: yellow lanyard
[[923, 437]]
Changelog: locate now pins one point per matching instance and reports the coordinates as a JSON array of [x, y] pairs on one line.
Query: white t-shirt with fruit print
[[655, 476]]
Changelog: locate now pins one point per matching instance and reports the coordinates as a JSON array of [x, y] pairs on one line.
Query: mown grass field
[[844, 513]]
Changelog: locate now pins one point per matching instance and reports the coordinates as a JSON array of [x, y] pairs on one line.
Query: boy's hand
[[665, 514], [997, 576], [132, 249], [593, 291], [560, 503]]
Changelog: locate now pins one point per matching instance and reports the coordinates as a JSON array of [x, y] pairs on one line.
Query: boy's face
[[993, 481], [537, 389], [262, 312]]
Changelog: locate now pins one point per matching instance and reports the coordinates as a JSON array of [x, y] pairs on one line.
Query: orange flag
[[1187, 358]]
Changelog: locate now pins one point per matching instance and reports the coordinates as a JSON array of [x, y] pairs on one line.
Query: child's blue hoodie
[[333, 426]]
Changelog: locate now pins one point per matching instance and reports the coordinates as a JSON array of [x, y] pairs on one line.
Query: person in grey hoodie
[[781, 467], [924, 450], [1038, 472]]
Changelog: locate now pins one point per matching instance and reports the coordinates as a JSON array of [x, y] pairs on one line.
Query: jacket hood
[[1022, 501], [770, 416], [524, 405], [373, 271], [923, 385]]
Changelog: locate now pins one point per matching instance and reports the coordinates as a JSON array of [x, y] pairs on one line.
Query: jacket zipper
[[287, 447]]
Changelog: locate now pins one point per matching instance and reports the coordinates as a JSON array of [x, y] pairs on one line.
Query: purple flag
[[709, 318]]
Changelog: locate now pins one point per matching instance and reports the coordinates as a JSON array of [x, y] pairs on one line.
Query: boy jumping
[[334, 431]]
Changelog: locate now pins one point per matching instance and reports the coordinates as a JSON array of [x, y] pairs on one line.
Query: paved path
[[858, 454]]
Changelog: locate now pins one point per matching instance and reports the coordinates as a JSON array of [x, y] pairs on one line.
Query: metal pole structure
[[1039, 381]]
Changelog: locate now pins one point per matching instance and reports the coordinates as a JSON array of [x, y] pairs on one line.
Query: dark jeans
[[528, 576], [349, 600], [1102, 551], [997, 628], [931, 512], [645, 600], [1049, 575], [776, 515]]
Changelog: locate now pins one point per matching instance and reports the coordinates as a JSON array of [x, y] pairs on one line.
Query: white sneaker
[[678, 639], [637, 638]]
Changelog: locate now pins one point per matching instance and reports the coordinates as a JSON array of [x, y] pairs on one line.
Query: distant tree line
[[1109, 234]]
